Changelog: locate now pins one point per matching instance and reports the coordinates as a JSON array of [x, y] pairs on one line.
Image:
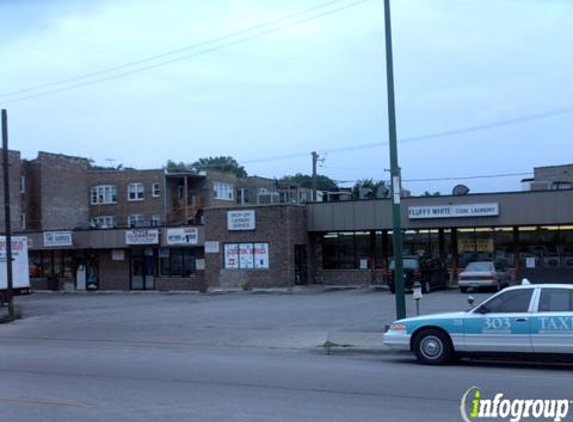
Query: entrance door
[[300, 265], [142, 273]]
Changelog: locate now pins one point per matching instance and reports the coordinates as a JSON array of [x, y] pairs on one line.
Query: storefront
[[531, 233]]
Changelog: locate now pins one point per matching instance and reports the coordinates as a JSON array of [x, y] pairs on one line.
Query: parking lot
[[235, 357]]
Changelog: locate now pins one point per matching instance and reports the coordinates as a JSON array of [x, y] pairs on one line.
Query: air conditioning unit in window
[[269, 198]]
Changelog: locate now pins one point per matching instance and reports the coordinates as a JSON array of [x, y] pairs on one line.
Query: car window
[[479, 266], [509, 301], [556, 300], [408, 264]]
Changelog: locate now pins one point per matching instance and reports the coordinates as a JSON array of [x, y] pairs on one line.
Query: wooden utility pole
[[7, 216], [314, 176]]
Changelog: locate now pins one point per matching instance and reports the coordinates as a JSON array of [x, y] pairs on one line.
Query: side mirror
[[471, 300]]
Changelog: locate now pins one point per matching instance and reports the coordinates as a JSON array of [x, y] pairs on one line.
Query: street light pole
[[394, 171], [7, 214]]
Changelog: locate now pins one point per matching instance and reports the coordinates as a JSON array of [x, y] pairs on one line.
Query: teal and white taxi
[[528, 319]]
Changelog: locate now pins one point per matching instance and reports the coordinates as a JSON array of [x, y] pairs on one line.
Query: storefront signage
[[142, 237], [211, 246], [55, 239], [247, 255], [183, 236], [453, 211], [241, 220]]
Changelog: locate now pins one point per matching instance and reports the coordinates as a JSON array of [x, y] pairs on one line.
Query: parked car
[[526, 319], [428, 271], [484, 274]]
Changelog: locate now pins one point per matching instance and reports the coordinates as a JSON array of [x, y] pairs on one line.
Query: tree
[[324, 183], [224, 164], [369, 187]]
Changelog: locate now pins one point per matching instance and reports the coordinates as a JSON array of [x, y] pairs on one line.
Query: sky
[[272, 93]]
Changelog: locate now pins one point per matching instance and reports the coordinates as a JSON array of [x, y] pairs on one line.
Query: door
[[300, 265], [552, 325], [142, 272], [502, 324]]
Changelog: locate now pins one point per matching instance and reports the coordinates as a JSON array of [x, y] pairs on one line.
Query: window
[[556, 300], [156, 220], [23, 221], [223, 191], [52, 264], [156, 190], [135, 220], [177, 262], [135, 191], [103, 222], [180, 192], [103, 194], [242, 196], [508, 302], [247, 256], [345, 250], [22, 184]]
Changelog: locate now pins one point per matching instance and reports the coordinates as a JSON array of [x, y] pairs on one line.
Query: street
[[240, 357]]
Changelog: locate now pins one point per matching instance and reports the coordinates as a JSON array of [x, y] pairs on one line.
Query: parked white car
[[483, 274]]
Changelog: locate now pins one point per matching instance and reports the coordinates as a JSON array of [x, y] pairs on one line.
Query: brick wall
[[57, 196], [148, 207], [113, 275], [281, 226]]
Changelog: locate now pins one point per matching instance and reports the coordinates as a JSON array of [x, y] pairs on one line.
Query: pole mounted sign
[[453, 211]]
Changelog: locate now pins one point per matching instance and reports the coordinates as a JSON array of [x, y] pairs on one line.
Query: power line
[[188, 56], [454, 178], [444, 134], [171, 52]]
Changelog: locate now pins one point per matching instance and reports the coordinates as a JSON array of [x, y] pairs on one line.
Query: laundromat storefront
[[353, 241]]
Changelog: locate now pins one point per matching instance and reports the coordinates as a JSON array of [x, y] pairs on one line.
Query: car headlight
[[397, 327]]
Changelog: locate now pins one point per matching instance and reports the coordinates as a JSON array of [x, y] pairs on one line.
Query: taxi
[[524, 319]]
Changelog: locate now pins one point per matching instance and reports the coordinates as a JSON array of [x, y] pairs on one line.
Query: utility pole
[[9, 292], [394, 171], [314, 175]]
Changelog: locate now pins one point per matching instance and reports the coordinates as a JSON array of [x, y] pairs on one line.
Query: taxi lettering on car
[[529, 319]]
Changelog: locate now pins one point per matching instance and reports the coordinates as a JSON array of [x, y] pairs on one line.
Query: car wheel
[[392, 289], [463, 289], [433, 347]]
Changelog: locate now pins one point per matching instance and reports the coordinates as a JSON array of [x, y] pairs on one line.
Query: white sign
[[117, 255], [232, 256], [183, 236], [454, 211], [364, 264], [530, 262], [246, 256], [20, 268], [142, 237], [200, 264], [52, 239], [241, 220], [211, 246], [262, 255]]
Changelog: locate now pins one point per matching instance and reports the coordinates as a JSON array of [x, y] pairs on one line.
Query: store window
[[46, 264], [177, 262], [346, 250], [244, 256]]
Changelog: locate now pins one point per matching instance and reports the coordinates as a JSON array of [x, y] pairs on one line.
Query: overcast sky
[[314, 86]]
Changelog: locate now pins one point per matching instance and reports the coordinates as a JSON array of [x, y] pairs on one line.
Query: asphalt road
[[234, 358]]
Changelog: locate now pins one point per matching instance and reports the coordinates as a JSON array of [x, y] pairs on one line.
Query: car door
[[501, 324], [552, 324]]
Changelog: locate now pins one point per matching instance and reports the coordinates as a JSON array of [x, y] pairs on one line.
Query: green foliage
[[366, 184], [323, 182], [224, 164]]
